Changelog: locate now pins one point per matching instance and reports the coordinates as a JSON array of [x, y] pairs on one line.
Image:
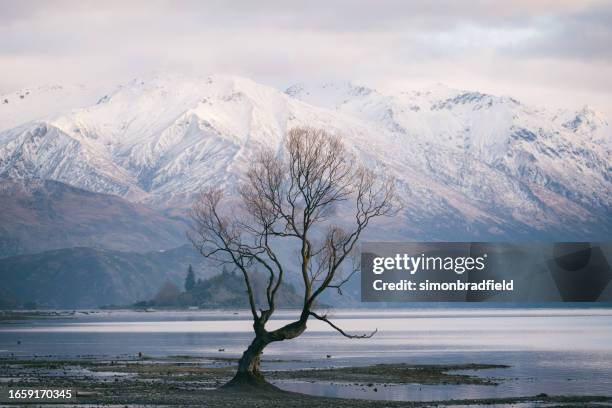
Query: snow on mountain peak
[[43, 101], [585, 119], [461, 158], [328, 94]]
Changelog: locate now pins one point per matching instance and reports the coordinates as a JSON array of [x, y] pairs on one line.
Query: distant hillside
[[88, 277], [42, 215]]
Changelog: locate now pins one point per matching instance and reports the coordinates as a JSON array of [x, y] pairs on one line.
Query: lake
[[553, 351]]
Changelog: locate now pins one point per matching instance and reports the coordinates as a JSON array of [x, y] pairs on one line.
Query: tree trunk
[[250, 361], [248, 373]]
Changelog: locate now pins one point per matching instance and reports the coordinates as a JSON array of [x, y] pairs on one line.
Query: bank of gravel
[[185, 380]]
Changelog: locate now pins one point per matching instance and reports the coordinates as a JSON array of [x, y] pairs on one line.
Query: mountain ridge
[[39, 215], [487, 166]]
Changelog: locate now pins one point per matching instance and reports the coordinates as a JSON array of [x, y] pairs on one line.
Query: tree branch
[[287, 201], [342, 332]]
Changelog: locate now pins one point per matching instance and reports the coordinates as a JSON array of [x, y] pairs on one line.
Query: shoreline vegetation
[[189, 380], [15, 316]]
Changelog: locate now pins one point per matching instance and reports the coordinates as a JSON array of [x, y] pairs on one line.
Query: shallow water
[[553, 351]]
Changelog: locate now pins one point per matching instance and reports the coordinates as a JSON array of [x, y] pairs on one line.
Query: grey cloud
[[586, 35], [463, 43]]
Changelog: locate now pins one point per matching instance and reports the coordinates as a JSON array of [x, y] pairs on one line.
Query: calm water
[[553, 351]]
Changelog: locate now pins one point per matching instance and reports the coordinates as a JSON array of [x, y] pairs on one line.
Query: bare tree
[[291, 197]]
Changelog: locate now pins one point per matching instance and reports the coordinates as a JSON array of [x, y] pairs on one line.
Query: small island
[[223, 291]]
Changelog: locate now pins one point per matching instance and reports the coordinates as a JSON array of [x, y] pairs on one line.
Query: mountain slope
[[39, 215], [88, 277], [468, 165]]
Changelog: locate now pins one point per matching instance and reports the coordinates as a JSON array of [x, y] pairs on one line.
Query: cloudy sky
[[547, 52]]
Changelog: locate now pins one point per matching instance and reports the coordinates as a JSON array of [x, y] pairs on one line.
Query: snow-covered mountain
[[469, 165], [44, 101]]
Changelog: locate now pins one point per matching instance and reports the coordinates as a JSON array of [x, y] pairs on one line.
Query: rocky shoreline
[[191, 380]]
